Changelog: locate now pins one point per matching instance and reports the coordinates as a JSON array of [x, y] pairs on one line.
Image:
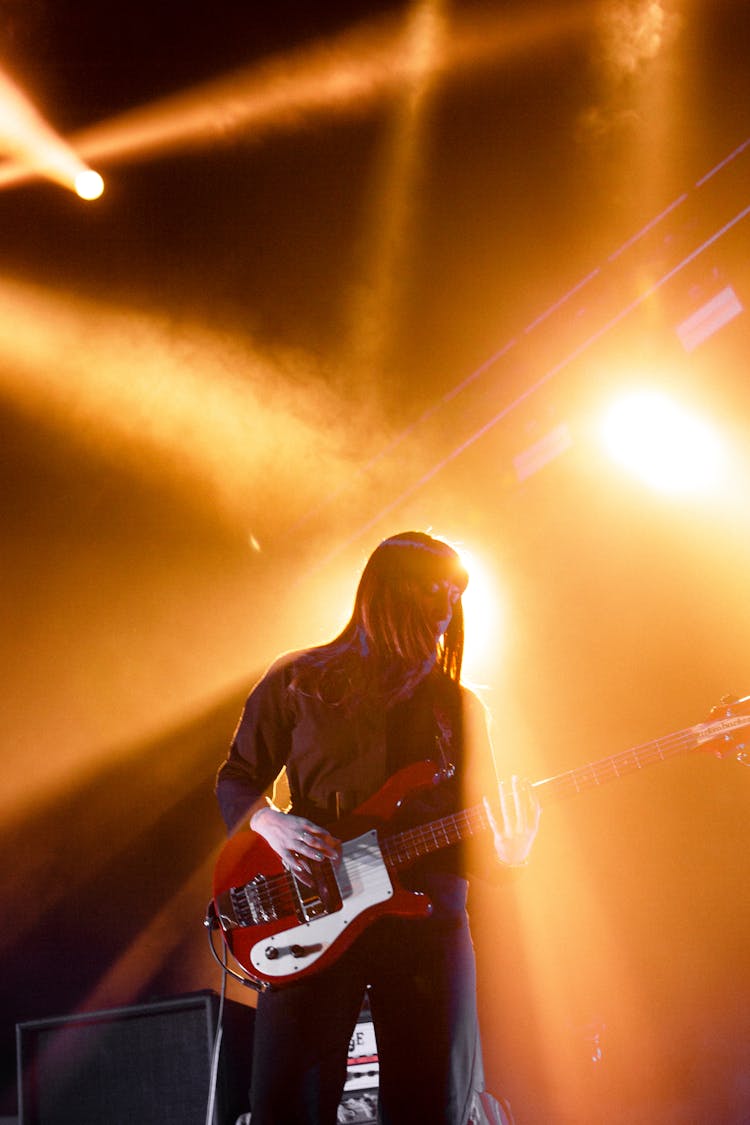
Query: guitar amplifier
[[148, 1064]]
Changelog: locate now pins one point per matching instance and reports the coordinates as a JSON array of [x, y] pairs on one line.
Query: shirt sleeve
[[260, 746]]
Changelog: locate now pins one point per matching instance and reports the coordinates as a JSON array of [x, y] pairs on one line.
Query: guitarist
[[341, 719]]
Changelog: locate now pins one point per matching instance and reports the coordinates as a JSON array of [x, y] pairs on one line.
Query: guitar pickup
[[324, 897], [327, 885]]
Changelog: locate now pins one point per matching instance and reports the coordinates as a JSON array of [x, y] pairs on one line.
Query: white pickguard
[[363, 881]]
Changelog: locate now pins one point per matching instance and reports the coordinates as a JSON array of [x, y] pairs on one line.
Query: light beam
[[344, 75], [36, 149]]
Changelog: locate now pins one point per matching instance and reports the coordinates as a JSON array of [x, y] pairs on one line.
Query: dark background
[[326, 312]]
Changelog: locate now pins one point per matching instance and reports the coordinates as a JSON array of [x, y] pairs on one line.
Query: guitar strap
[[444, 739]]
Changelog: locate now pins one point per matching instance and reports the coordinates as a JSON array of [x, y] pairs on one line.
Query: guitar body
[[279, 929]]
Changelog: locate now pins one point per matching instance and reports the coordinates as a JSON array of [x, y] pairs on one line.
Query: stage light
[[663, 443], [36, 149], [89, 184]]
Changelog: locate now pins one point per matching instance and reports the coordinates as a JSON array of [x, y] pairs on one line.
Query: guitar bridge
[[252, 904], [265, 900]]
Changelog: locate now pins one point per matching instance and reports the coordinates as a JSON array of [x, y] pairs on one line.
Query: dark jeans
[[422, 982]]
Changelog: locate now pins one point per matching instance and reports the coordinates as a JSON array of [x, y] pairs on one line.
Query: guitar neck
[[595, 774], [405, 847]]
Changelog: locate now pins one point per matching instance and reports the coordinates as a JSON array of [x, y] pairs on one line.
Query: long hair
[[389, 640]]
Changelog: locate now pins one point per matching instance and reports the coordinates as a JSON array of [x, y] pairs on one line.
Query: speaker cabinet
[[148, 1064]]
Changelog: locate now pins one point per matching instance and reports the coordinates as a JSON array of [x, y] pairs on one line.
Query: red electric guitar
[[281, 930]]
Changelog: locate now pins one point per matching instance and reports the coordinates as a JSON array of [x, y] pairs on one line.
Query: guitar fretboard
[[578, 780], [404, 847], [593, 774]]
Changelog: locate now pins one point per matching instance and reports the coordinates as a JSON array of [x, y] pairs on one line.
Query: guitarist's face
[[437, 600]]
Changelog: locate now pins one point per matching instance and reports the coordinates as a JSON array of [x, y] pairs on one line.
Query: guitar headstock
[[727, 729]]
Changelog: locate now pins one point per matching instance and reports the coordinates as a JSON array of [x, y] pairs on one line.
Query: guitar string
[[398, 849], [280, 891], [451, 829], [425, 838], [637, 757]]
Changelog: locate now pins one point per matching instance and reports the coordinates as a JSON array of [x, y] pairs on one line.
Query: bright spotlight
[[662, 443], [89, 184], [481, 614]]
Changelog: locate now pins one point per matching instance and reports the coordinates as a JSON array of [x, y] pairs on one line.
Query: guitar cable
[[211, 922], [216, 1053]]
